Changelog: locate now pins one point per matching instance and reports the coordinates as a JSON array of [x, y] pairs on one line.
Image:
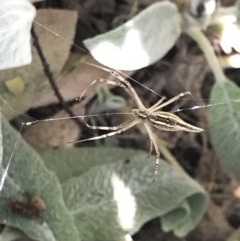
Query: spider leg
[[123, 83], [158, 103], [119, 129], [107, 128], [151, 148], [157, 107], [131, 92], [153, 140]]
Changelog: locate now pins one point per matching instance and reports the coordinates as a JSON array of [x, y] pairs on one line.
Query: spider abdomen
[[163, 120], [171, 122]]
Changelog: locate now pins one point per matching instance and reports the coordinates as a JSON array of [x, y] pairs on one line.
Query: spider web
[[25, 124]]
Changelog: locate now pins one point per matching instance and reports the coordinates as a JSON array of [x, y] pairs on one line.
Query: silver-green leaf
[[110, 192], [224, 123], [28, 174], [141, 41], [16, 17]]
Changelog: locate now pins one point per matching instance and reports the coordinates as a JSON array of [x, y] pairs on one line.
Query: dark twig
[[52, 82]]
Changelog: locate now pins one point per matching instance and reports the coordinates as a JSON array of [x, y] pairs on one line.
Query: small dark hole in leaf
[[127, 161]]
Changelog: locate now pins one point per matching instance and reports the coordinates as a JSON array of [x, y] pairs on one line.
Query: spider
[[150, 117]]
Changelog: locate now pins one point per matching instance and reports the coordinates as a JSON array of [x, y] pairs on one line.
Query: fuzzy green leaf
[[110, 192], [27, 173], [224, 122], [16, 17], [141, 41]]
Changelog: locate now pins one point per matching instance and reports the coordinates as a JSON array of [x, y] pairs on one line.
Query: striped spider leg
[[150, 117]]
